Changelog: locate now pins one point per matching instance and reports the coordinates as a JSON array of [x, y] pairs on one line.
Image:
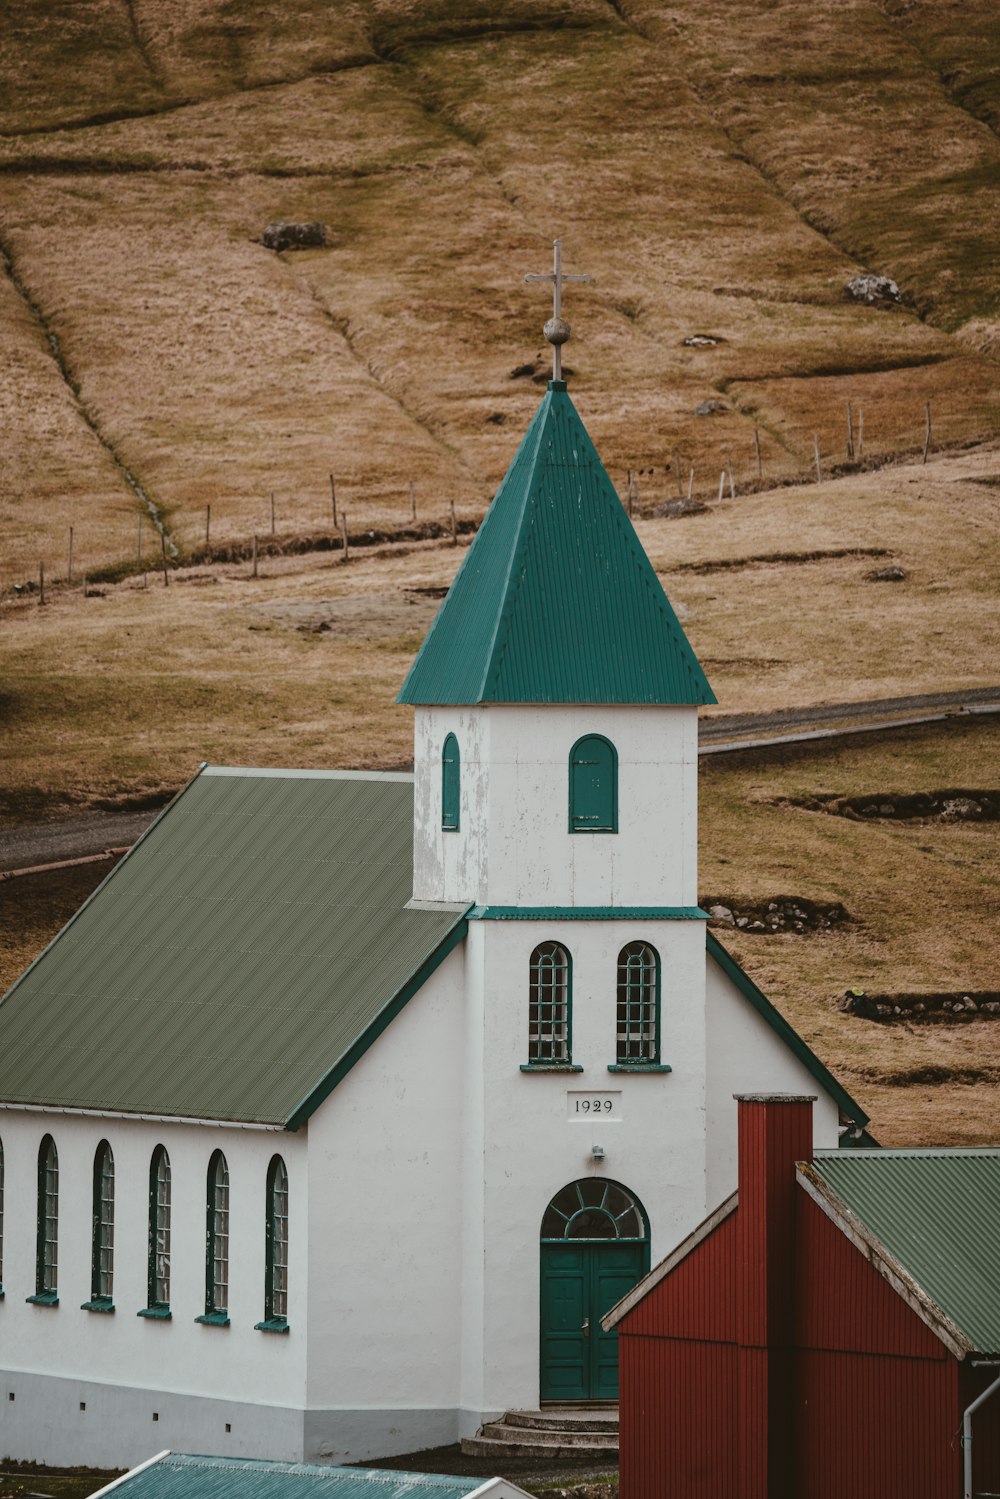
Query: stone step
[[549, 1448], [566, 1418], [499, 1431]]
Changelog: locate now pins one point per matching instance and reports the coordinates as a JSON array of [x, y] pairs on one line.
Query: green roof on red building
[[556, 600]]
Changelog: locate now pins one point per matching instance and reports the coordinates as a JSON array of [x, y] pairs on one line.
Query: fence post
[[819, 471], [861, 433], [732, 483], [722, 484], [756, 443], [333, 500], [850, 432], [254, 573], [413, 502], [272, 512], [163, 548], [691, 482]]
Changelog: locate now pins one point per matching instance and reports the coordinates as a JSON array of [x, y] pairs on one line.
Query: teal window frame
[[550, 1009], [102, 1240], [275, 1249], [216, 1313], [158, 1237], [637, 1024], [47, 1226], [451, 785], [579, 820]]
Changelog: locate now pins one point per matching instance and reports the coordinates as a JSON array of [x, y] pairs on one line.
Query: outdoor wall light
[[597, 1151]]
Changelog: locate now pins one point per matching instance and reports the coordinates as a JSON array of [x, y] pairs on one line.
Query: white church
[[339, 1114]]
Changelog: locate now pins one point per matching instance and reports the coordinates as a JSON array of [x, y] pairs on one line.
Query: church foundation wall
[[75, 1422]]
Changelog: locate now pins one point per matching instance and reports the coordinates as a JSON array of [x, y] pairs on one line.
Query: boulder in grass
[[872, 290], [284, 235]]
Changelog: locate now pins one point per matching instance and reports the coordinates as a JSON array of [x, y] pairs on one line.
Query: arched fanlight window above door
[[593, 785], [594, 1208], [451, 784]]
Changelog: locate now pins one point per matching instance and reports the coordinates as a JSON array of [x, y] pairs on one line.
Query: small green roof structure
[[556, 600], [936, 1216], [177, 1475]]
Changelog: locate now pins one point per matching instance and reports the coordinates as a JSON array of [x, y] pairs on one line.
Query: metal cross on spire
[[557, 330]]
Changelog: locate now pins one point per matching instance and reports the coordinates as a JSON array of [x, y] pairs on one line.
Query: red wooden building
[[824, 1333]]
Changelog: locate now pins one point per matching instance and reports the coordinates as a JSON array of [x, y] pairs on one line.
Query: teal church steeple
[[556, 600]]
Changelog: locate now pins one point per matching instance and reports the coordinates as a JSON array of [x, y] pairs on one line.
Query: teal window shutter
[[451, 779], [593, 786]]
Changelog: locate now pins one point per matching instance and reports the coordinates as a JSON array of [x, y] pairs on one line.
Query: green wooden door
[[581, 1282]]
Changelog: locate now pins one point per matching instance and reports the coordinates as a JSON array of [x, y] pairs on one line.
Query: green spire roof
[[556, 601]]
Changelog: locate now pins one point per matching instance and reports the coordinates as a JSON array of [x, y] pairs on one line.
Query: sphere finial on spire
[[557, 331]]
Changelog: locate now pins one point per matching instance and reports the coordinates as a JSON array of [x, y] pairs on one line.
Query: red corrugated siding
[[698, 1298], [772, 1137], [678, 1417], [882, 1428], [841, 1301]]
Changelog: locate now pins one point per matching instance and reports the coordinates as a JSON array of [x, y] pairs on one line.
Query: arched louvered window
[[102, 1252], [593, 786], [276, 1249], [217, 1243], [158, 1239], [451, 784], [638, 1030], [550, 1006], [47, 1230]]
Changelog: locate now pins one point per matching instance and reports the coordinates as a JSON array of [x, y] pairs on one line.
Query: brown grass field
[[720, 169]]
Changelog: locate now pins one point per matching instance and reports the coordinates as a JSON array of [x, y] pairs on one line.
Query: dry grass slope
[[719, 169]]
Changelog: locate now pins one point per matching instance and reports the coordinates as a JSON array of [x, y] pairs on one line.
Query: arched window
[[102, 1251], [451, 784], [550, 1006], [638, 1005], [47, 1233], [594, 1208], [217, 1243], [158, 1239], [276, 1249], [593, 786]]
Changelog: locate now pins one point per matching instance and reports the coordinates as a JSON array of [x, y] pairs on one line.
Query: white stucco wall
[[385, 1237], [233, 1365], [513, 846], [745, 1055]]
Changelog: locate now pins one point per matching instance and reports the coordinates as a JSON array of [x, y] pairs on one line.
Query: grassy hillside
[[719, 168]]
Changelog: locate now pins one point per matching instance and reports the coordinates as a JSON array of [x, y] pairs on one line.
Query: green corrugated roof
[[238, 960], [177, 1476], [937, 1212], [556, 601]]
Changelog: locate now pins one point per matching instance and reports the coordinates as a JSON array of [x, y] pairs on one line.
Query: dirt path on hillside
[[83, 834]]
